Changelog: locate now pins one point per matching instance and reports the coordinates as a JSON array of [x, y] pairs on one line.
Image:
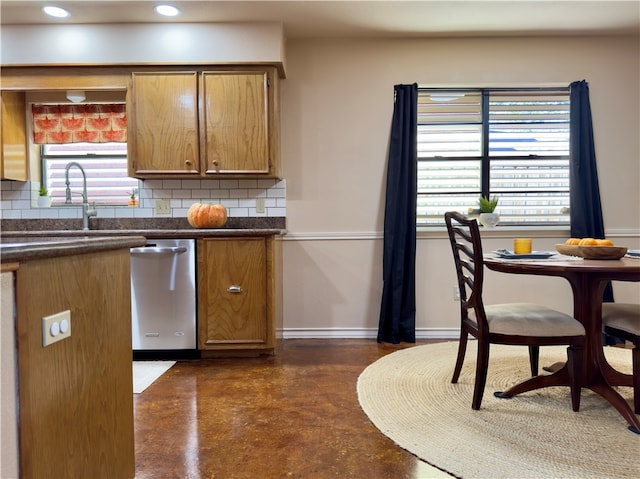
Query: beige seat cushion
[[623, 316], [529, 319]]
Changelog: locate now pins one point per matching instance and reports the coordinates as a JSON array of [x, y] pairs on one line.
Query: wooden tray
[[568, 249], [602, 252], [592, 252]]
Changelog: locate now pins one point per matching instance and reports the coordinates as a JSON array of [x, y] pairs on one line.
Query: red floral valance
[[86, 123]]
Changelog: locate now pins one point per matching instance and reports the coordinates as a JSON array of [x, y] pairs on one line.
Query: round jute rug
[[408, 395]]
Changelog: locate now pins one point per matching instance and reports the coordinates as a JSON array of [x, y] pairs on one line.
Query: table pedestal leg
[[598, 379]]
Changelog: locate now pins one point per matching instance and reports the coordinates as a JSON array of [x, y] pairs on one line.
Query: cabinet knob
[[234, 288], [187, 162], [215, 162]]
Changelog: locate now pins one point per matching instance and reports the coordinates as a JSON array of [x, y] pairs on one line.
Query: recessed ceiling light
[[167, 10], [55, 12]]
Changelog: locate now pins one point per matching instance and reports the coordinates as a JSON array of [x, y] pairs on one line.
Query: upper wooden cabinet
[[163, 124], [235, 116], [13, 137], [203, 123]]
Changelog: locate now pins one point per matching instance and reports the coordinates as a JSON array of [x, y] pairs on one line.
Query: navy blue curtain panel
[[586, 209], [398, 306]]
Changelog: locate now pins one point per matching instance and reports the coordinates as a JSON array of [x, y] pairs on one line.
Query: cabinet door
[[235, 118], [13, 137], [163, 124], [232, 294]]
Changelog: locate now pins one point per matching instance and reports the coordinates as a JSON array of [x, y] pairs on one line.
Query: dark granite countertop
[[148, 233], [159, 227], [23, 240], [19, 249]]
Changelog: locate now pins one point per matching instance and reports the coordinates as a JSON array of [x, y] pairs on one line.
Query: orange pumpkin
[[205, 215]]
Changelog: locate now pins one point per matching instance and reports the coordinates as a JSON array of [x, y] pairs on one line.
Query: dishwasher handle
[[159, 250]]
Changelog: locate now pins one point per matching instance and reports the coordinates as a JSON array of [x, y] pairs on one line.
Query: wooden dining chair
[[622, 320], [526, 324]]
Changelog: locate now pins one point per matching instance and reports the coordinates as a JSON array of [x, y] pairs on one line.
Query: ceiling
[[398, 18]]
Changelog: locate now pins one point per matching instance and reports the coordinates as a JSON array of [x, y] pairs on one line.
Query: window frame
[[486, 157], [58, 200]]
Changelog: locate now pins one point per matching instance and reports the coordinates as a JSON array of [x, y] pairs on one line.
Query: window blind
[[513, 144], [105, 165]]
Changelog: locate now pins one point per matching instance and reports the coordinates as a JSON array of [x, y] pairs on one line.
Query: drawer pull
[[234, 288]]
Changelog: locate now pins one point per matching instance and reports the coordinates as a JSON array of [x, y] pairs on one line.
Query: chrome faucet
[[86, 211]]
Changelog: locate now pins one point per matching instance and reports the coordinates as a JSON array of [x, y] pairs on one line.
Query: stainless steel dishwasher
[[163, 297]]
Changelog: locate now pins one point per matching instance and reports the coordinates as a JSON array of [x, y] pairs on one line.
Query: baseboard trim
[[362, 333]]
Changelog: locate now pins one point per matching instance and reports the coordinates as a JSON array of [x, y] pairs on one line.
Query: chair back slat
[[466, 245]]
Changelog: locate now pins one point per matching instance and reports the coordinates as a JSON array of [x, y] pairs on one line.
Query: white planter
[[44, 201], [489, 220]]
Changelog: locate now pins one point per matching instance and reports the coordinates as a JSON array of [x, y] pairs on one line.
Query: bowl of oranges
[[591, 248]]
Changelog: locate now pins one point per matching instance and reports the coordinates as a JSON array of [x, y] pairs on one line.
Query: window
[[509, 143], [105, 165]]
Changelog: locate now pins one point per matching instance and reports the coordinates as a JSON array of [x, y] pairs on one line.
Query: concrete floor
[[292, 415]]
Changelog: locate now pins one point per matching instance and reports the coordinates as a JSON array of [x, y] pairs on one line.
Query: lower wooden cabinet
[[75, 395], [237, 294]]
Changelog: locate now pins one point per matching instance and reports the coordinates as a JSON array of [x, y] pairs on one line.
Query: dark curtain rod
[[554, 89]]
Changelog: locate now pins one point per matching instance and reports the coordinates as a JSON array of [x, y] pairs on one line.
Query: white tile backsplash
[[18, 199]]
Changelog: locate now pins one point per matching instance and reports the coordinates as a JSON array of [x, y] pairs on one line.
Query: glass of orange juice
[[522, 245]]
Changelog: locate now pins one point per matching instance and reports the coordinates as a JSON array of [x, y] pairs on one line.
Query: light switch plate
[[56, 327], [163, 207], [260, 205]]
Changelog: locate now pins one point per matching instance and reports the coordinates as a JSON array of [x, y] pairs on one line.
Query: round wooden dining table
[[588, 279]]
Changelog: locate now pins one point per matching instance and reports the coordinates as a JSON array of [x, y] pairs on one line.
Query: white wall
[[179, 43], [337, 103], [337, 107]]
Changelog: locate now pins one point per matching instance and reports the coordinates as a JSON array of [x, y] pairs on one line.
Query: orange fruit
[[604, 242], [587, 242], [572, 241]]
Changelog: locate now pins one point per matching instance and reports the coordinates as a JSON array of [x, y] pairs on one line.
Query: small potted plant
[[44, 200], [133, 200], [488, 217]]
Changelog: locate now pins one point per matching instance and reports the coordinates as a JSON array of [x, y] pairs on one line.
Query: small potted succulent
[[488, 217], [44, 200]]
